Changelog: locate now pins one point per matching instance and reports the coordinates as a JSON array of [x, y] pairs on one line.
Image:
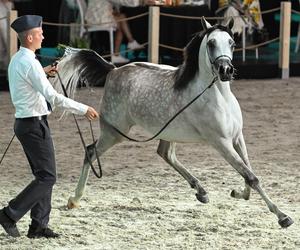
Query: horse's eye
[[211, 43]]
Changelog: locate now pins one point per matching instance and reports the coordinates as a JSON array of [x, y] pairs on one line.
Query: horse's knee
[[90, 152], [252, 181]]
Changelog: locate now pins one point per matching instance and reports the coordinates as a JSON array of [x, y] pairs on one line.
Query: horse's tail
[[81, 67]]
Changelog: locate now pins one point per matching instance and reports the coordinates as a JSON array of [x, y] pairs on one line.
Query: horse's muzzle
[[224, 68]]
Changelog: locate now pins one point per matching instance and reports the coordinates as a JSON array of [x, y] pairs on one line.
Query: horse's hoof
[[285, 222], [72, 204], [235, 194], [202, 198], [238, 195]]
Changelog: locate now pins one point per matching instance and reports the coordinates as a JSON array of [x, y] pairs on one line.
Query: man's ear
[[206, 25], [29, 37]]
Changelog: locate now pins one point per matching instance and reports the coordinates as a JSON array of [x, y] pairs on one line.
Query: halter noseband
[[218, 58]]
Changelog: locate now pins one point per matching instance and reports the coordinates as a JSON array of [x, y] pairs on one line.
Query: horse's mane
[[188, 69]]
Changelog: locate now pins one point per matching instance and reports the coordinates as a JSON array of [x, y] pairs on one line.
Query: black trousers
[[34, 135]]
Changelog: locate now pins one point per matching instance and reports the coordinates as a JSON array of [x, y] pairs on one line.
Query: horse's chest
[[229, 119]]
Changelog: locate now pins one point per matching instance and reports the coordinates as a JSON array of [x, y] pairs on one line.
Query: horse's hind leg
[[107, 139], [167, 151], [241, 149]]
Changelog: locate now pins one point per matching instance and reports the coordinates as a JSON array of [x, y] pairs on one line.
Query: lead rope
[[82, 140], [163, 128], [117, 130], [11, 140]]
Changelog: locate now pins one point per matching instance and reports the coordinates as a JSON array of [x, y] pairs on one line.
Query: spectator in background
[[252, 8], [67, 14], [5, 7], [107, 11], [246, 12]]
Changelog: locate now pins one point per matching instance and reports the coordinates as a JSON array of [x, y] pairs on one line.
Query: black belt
[[33, 118]]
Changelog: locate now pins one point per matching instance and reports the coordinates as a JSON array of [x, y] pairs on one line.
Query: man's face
[[35, 37]]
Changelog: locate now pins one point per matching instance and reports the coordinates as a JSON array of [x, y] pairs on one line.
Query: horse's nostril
[[221, 70], [229, 70]]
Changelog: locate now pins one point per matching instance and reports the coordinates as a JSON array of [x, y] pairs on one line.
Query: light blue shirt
[[30, 88]]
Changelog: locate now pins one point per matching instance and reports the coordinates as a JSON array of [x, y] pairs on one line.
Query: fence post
[[284, 45], [153, 35], [11, 34]]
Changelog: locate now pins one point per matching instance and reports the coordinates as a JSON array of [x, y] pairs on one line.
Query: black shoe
[[9, 225], [38, 232]]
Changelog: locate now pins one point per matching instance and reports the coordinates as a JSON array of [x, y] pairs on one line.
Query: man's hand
[[50, 70], [91, 114]]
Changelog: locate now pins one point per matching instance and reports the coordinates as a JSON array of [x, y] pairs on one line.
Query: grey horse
[[148, 95]]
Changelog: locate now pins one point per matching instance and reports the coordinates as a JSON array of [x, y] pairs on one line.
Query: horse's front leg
[[167, 151], [73, 201], [240, 147], [225, 147]]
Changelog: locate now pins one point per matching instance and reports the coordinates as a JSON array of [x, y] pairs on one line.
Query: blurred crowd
[[109, 13], [5, 7]]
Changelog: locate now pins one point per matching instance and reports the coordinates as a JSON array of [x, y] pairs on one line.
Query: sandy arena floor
[[141, 203]]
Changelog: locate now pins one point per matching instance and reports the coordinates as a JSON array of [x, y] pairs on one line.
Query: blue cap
[[26, 22]]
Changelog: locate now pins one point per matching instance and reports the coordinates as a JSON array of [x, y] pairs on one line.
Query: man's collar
[[27, 51]]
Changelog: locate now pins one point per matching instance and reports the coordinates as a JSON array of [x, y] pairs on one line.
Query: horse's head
[[214, 43], [219, 47]]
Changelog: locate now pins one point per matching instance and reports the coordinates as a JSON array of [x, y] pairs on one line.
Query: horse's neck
[[224, 89], [220, 89]]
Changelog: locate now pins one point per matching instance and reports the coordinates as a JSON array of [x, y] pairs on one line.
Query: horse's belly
[[181, 137], [175, 132]]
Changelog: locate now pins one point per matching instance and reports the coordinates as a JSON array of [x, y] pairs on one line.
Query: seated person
[[252, 9], [107, 12], [246, 13]]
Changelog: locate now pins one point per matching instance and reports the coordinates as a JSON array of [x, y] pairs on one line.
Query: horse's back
[[140, 74], [137, 80]]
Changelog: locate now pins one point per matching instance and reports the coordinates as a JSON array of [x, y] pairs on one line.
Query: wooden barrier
[[153, 35], [284, 44], [12, 35]]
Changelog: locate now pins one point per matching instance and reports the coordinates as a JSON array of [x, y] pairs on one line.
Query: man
[[30, 93]]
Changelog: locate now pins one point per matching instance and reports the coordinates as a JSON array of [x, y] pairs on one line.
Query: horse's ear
[[206, 25], [230, 23]]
